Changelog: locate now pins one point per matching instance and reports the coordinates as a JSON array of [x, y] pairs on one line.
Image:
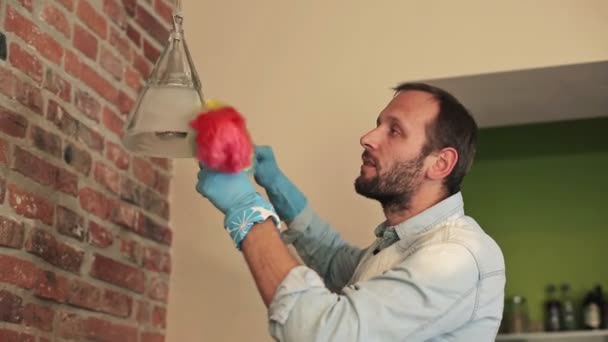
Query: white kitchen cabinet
[[540, 95], [574, 336]]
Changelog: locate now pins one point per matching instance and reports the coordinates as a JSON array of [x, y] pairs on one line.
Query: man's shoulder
[[486, 251]]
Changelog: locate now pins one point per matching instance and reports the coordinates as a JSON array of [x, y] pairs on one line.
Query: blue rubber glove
[[235, 196], [283, 194]]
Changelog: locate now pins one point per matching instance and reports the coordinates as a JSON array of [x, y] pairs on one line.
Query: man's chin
[[362, 181], [364, 185]]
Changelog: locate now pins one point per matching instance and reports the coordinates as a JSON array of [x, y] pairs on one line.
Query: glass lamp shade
[[159, 124]]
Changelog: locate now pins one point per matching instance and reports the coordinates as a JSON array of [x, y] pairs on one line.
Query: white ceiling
[[534, 95]]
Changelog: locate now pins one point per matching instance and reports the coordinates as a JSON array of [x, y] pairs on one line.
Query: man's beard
[[394, 189]]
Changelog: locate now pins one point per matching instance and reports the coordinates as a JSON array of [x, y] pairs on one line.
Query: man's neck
[[422, 200]]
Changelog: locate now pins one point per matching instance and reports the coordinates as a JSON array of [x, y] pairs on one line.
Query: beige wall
[[312, 76]]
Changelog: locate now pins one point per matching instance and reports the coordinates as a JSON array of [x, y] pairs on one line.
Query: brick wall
[[84, 237]]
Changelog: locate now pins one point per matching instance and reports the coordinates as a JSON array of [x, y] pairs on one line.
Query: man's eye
[[394, 131]]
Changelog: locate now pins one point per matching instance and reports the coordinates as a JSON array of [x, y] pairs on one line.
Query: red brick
[[113, 122], [87, 105], [134, 35], [17, 272], [130, 250], [102, 86], [57, 85], [60, 117], [151, 337], [46, 141], [5, 148], [125, 216], [7, 335], [152, 230], [100, 330], [143, 312], [162, 184], [84, 295], [7, 82], [125, 103], [92, 18], [155, 204], [99, 236], [29, 96], [143, 171], [129, 7], [133, 79], [34, 168], [85, 42], [116, 303], [90, 77], [49, 285], [56, 253], [2, 189], [30, 205], [12, 123], [95, 203], [156, 260], [163, 163], [79, 159], [107, 177], [111, 63], [116, 12], [149, 23], [56, 18], [150, 52], [11, 233], [26, 62], [31, 34], [27, 4], [159, 317], [68, 4], [164, 11], [11, 307], [117, 155], [166, 264], [70, 223], [120, 43], [70, 326], [142, 65], [38, 316], [117, 273], [93, 139], [159, 290], [67, 182]]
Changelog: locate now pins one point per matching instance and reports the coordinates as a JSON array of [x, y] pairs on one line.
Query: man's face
[[393, 161]]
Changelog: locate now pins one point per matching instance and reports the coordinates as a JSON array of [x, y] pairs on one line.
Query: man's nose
[[368, 140]]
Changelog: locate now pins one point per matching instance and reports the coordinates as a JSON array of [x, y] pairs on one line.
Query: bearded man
[[432, 274]]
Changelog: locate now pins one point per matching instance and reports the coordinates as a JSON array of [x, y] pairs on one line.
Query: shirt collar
[[425, 220]]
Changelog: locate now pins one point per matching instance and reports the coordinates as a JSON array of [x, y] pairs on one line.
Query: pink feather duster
[[223, 142]]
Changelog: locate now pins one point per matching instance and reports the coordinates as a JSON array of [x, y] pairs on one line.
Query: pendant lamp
[[159, 124]]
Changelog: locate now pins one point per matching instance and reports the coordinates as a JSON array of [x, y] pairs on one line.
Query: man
[[431, 275]]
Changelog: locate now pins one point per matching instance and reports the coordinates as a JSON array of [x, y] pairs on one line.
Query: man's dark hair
[[454, 127]]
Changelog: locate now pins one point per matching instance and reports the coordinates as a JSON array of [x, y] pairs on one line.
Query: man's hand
[[266, 167], [235, 196], [283, 194]]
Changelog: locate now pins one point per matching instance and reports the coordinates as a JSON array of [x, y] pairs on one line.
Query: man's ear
[[444, 162]]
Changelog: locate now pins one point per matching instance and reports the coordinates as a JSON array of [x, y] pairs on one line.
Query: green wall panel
[[541, 191]]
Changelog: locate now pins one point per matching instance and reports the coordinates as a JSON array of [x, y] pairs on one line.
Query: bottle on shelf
[[515, 319], [552, 310], [603, 307], [569, 321], [592, 309]]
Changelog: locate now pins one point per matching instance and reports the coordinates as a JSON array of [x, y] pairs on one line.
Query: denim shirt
[[442, 279]]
